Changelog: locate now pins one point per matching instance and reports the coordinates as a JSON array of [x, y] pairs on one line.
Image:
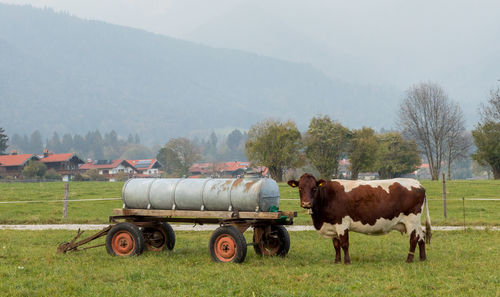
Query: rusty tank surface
[[211, 194]]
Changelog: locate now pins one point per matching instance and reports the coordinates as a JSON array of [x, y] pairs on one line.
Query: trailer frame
[[132, 230]]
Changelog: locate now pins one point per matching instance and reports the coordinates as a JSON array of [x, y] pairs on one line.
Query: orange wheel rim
[[123, 243], [225, 248]]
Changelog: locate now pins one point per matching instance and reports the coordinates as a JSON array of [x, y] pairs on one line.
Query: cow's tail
[[428, 231]]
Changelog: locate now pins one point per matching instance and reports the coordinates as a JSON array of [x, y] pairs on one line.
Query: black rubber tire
[[167, 233], [131, 230], [280, 234], [235, 237]]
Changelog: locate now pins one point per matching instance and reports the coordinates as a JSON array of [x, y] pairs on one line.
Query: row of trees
[[280, 146], [93, 145], [179, 154]]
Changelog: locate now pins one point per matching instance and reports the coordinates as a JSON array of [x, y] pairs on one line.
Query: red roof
[[15, 160], [57, 158], [113, 164]]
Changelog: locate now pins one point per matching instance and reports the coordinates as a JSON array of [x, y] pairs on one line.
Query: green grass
[[477, 212], [459, 264], [51, 212]]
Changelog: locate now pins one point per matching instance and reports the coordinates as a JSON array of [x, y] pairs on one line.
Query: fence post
[[65, 209], [463, 207], [444, 196]]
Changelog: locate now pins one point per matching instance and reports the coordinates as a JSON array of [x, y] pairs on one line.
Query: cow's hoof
[[337, 262], [409, 260], [423, 259], [347, 262]]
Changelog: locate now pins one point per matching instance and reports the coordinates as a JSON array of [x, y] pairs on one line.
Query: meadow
[[476, 212], [463, 263]]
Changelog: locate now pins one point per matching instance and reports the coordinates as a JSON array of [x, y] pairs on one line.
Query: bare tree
[[429, 117], [491, 111]]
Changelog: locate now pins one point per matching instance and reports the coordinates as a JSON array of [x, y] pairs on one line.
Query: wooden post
[[444, 196], [65, 209], [463, 207]]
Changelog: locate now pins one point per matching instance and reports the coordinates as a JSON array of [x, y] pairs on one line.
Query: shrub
[[52, 174]]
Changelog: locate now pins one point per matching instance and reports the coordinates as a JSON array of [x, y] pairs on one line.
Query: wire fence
[[60, 200]]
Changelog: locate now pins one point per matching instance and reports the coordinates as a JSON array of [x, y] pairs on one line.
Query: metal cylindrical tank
[[243, 194]]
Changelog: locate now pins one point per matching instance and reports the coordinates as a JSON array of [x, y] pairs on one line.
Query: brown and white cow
[[370, 207]]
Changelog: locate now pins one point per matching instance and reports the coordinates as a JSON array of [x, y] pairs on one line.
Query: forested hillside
[[61, 73]]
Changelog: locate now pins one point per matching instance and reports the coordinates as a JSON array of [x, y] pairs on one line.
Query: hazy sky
[[389, 44]]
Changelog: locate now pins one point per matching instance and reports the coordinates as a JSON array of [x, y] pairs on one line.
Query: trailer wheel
[[275, 243], [125, 239], [159, 237], [227, 244]]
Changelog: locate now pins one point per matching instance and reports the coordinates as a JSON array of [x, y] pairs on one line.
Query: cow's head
[[308, 189]]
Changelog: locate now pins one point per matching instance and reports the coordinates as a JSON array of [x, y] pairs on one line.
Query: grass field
[[459, 264], [477, 212]]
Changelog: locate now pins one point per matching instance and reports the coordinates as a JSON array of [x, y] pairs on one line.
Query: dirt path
[[200, 227]]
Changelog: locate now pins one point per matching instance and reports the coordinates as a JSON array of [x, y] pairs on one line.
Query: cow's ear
[[321, 183], [293, 183]]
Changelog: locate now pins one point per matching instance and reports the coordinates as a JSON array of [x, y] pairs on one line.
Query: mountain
[[61, 73]]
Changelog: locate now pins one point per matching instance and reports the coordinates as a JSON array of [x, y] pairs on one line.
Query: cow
[[369, 207]]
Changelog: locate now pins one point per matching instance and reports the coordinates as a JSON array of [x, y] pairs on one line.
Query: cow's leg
[[413, 245], [344, 243], [421, 247], [336, 245]]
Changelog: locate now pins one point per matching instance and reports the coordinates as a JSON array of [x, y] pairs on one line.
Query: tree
[[3, 141], [487, 140], [396, 156], [429, 117], [54, 144], [136, 151], [178, 155], [362, 151], [36, 144], [325, 142], [491, 111], [275, 145], [34, 169], [235, 144], [67, 143]]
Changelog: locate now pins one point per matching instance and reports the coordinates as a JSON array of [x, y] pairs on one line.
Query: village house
[[109, 168], [12, 165], [66, 165], [146, 167]]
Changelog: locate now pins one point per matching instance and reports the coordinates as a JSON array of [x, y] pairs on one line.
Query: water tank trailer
[[235, 204]]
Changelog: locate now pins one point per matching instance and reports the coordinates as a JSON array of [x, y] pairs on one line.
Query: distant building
[[12, 165], [146, 167], [66, 165], [109, 168]]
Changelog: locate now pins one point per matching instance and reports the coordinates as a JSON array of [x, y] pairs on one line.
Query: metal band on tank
[[230, 196], [123, 193], [175, 188], [202, 191], [148, 191], [261, 184]]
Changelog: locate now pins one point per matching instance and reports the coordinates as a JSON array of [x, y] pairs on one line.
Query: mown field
[[476, 212], [461, 263]]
